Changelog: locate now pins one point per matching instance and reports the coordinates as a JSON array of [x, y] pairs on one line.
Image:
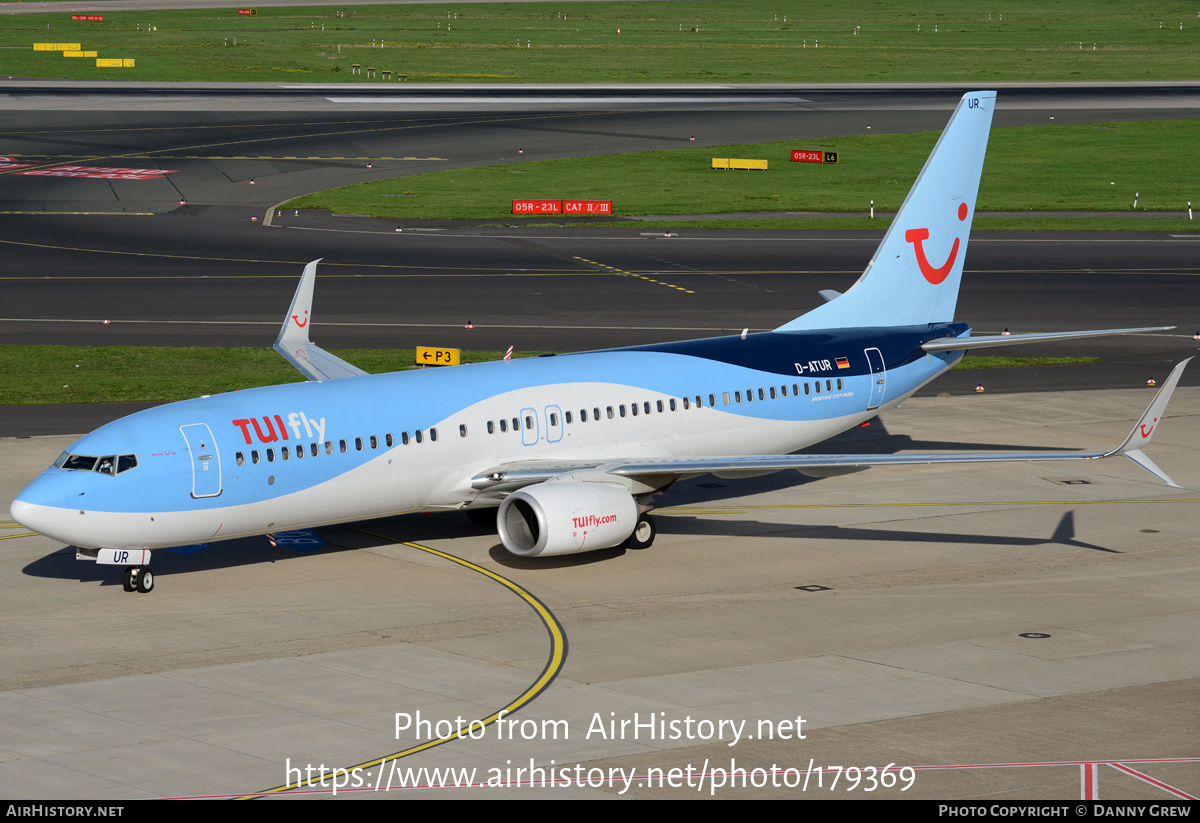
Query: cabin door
[[878, 377], [206, 460]]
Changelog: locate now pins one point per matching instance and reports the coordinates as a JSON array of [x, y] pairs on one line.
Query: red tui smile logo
[[934, 274], [305, 323]]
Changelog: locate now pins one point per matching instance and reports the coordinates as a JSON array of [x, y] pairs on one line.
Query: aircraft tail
[[914, 275]]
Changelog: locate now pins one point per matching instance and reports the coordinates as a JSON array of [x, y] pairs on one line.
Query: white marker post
[[1135, 197], [872, 209]]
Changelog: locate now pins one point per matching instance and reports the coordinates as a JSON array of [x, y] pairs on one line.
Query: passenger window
[[433, 434], [772, 392], [839, 384], [553, 419], [358, 444], [342, 445], [828, 385], [699, 402], [417, 435], [796, 389], [610, 413], [516, 424], [686, 405], [403, 438], [270, 455], [646, 406], [806, 388], [737, 395], [749, 395], [660, 405], [596, 413], [241, 459], [529, 421], [462, 429], [672, 404], [254, 457], [329, 447], [634, 409], [568, 414], [284, 452], [583, 415], [312, 449], [503, 425], [374, 442], [388, 439], [300, 452], [712, 400], [725, 396], [622, 409], [762, 395], [491, 427]]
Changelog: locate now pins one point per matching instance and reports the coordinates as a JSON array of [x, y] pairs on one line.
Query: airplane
[[566, 452]]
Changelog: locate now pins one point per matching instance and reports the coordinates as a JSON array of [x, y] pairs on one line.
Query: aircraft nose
[[42, 506]]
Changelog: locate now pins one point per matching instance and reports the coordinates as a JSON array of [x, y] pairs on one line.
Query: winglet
[[1147, 424], [309, 359], [294, 332]]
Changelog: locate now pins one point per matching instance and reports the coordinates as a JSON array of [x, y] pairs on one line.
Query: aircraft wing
[[309, 359], [517, 475]]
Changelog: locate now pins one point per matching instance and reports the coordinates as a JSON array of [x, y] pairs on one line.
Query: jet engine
[[566, 518]]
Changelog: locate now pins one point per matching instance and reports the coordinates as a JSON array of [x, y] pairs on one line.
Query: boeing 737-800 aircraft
[[568, 450]]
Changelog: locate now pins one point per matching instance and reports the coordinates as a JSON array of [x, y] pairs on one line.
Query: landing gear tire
[[643, 533], [129, 580], [145, 580]]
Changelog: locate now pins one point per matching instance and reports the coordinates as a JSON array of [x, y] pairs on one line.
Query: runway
[[935, 618]]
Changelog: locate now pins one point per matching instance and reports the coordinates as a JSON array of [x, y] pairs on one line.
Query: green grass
[[1053, 167], [989, 362], [109, 374], [738, 41], [106, 374]]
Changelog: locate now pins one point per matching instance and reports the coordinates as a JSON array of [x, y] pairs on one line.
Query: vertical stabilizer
[[914, 275]]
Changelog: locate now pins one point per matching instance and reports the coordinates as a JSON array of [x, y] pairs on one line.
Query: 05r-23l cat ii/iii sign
[[566, 452]]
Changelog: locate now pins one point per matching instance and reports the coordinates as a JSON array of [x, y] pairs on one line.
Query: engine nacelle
[[566, 518]]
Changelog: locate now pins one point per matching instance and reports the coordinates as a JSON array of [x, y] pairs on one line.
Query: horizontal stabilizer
[[987, 341], [309, 359]]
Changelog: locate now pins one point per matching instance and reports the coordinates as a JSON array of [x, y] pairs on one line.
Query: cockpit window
[[111, 464]]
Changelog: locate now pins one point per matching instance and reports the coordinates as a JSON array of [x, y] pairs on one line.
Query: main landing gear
[[643, 533], [139, 579]]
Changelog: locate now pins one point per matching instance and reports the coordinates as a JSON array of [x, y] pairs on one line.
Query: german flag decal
[[843, 363]]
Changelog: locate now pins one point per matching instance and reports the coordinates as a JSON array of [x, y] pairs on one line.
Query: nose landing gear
[[139, 579]]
